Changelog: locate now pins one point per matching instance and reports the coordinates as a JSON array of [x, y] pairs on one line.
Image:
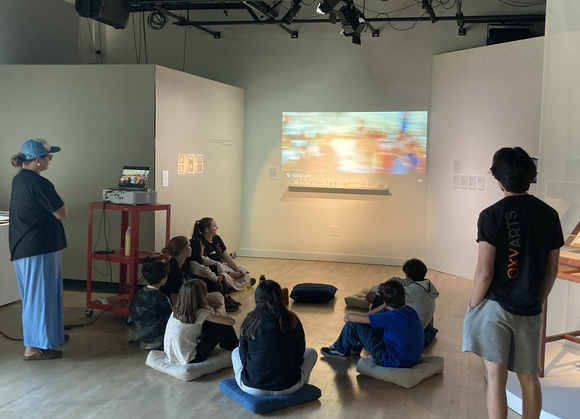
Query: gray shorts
[[503, 338]]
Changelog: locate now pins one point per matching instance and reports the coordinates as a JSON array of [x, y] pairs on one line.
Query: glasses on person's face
[[48, 156]]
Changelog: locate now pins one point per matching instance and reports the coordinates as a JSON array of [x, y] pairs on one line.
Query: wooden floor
[[100, 375]]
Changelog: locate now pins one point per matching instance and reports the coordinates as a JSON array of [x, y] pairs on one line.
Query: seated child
[[420, 294], [272, 358], [195, 327], [150, 309], [391, 333], [210, 272]]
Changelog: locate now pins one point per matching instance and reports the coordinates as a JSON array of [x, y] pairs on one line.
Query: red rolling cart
[[128, 270]]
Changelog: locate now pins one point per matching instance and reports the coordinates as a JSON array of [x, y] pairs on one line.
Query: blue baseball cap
[[37, 147]]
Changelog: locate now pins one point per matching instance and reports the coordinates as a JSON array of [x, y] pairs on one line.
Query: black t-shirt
[[523, 230], [215, 249], [33, 229], [272, 361], [175, 278]]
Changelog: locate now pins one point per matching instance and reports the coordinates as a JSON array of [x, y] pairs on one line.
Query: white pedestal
[[8, 286], [560, 386]]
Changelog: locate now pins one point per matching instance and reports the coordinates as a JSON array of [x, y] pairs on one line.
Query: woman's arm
[[210, 262], [230, 262], [61, 213], [225, 320]]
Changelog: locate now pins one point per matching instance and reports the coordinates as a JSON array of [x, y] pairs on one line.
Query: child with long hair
[[272, 358], [195, 328], [179, 250], [210, 272], [237, 276]]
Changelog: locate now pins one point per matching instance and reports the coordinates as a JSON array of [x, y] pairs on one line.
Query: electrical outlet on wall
[[334, 231]]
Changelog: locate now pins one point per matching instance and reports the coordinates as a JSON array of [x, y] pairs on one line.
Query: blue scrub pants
[[40, 285]]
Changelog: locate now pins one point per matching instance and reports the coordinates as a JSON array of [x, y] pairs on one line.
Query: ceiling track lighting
[[353, 22], [351, 18], [292, 12], [428, 7]]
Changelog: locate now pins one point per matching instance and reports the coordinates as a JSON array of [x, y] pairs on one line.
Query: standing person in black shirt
[[272, 358], [519, 245], [36, 239]]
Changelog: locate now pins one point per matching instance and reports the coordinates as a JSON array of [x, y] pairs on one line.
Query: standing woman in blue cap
[[36, 239]]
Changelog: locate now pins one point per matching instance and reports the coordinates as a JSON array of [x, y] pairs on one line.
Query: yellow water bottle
[[128, 241]]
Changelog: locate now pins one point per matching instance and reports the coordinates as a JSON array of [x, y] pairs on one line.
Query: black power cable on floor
[[67, 326]]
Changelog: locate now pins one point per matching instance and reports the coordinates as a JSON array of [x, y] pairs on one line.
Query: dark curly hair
[[514, 169], [154, 270]]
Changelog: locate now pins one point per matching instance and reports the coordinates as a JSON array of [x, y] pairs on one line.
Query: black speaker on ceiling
[[114, 13], [500, 34]]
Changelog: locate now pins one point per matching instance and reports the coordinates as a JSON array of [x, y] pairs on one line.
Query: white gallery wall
[[204, 119], [482, 99], [101, 116]]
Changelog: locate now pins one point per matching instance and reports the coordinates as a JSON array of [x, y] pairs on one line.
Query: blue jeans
[[355, 335]]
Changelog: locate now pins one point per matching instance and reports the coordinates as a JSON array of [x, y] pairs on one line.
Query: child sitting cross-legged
[[150, 309], [420, 294], [272, 358], [391, 333], [196, 327], [210, 272]]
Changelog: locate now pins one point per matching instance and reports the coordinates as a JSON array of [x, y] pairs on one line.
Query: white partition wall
[[482, 99], [559, 163], [202, 120]]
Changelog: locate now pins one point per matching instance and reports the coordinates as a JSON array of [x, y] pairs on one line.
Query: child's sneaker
[[333, 353]]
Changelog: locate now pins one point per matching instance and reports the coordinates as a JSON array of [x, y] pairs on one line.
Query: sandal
[[252, 281], [43, 354]]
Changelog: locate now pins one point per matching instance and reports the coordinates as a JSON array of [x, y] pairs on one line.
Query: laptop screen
[[134, 177]]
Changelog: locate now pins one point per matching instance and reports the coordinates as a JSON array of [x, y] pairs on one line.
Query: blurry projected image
[[354, 142]]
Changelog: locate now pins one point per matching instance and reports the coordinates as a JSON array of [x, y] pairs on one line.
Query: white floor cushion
[[357, 300], [404, 377], [218, 360]]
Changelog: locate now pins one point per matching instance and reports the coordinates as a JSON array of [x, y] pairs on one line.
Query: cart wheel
[[129, 321], [89, 312]]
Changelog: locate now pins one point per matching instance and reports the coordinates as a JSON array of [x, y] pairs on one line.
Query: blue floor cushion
[[265, 404]]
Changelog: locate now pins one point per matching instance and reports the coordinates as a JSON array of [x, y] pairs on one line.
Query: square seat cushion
[[218, 360], [313, 293], [404, 377], [358, 300], [265, 404]]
